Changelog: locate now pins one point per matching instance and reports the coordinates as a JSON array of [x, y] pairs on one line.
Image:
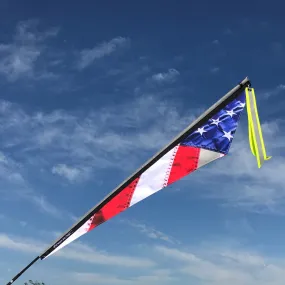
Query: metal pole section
[[196, 124], [21, 272], [192, 127]]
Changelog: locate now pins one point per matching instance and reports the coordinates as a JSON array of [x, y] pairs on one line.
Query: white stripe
[[165, 184], [81, 231], [207, 156], [153, 179]]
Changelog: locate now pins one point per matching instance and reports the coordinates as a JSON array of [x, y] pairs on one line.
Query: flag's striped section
[[154, 178], [208, 143], [177, 163]]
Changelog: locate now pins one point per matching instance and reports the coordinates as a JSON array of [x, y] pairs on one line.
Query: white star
[[201, 131], [227, 135], [241, 104], [215, 122], [231, 113]]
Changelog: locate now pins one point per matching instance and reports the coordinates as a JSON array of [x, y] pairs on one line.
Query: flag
[[210, 141], [207, 139]]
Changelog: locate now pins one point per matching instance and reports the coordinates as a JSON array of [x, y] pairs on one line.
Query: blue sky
[[90, 91]]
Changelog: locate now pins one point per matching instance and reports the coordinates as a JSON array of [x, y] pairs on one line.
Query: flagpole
[[196, 124], [21, 272]]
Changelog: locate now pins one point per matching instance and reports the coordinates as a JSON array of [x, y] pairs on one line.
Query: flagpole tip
[[245, 82]]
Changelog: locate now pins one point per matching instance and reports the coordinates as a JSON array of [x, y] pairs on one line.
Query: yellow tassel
[[256, 141]]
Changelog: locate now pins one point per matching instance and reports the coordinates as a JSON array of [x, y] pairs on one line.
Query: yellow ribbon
[[256, 141]]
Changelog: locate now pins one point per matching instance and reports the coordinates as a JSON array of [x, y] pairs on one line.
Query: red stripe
[[115, 206], [185, 162]]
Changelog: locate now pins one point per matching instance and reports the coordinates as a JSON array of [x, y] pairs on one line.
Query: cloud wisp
[[166, 77], [92, 140], [223, 265], [88, 56], [274, 92], [21, 57], [76, 251], [151, 232], [72, 174], [206, 263]]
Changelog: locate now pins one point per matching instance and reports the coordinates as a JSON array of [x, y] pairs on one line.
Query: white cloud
[[45, 206], [19, 244], [10, 171], [19, 58], [153, 277], [151, 232], [88, 56], [206, 263], [72, 174], [94, 139], [81, 252], [23, 223], [76, 251], [221, 265], [15, 186], [281, 86], [279, 89], [215, 69], [228, 31], [168, 76], [239, 227]]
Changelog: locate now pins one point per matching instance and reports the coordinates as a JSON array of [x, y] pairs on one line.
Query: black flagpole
[[200, 120], [21, 272]]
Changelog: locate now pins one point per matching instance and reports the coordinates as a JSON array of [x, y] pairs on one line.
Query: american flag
[[204, 145]]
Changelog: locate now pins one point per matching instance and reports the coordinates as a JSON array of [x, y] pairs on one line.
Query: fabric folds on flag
[[206, 144]]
